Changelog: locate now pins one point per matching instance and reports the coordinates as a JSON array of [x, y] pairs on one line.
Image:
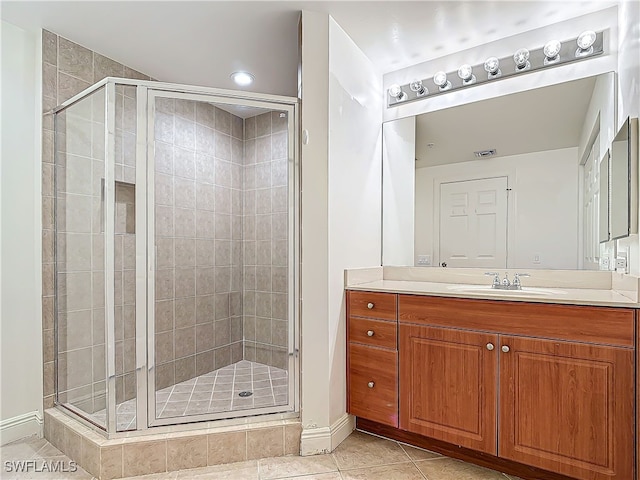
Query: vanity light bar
[[494, 69]]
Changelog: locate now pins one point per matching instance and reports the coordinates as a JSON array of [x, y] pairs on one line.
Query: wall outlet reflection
[[424, 260]]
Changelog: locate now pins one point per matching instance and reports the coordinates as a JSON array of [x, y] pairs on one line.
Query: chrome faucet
[[516, 280], [496, 279], [505, 283]]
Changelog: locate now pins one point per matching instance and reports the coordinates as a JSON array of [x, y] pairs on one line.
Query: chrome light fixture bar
[[552, 54]]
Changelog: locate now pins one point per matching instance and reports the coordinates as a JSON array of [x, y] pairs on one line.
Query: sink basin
[[526, 291]]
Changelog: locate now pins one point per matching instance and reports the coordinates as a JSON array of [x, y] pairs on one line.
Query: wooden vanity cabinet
[[372, 356], [562, 405]]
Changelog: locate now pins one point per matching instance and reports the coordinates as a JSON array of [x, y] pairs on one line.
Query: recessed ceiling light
[[242, 78]]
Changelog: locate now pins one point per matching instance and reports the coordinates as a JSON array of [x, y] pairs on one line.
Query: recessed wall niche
[[125, 208]]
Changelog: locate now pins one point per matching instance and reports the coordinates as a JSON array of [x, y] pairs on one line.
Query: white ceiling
[[202, 42], [536, 120]]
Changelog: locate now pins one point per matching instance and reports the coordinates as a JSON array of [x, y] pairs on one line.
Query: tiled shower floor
[[214, 392]]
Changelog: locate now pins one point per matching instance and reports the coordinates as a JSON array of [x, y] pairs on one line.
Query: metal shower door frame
[[145, 246]]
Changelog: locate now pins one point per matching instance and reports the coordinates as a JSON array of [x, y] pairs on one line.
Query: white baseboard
[[315, 441], [341, 429], [20, 426]]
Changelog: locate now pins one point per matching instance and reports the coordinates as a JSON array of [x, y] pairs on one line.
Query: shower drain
[[245, 394]]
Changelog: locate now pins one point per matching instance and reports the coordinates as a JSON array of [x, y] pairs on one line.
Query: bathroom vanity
[[537, 385]]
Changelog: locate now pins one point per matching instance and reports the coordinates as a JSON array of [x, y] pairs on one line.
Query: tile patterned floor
[[360, 457], [214, 392]]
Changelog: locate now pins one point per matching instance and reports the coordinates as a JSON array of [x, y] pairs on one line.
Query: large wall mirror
[[507, 182]]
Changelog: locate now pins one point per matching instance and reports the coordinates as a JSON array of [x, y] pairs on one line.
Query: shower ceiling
[[201, 43]]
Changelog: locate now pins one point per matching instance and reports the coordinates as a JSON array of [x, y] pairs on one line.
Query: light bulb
[[551, 51], [242, 78], [440, 79], [586, 39], [465, 72], [492, 67], [585, 43], [416, 86], [521, 59], [395, 91]]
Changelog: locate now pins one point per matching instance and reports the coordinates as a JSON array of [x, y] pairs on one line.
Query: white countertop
[[461, 284], [573, 296]]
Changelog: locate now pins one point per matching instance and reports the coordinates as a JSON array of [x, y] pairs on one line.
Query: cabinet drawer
[[606, 325], [373, 384], [373, 332], [373, 305]]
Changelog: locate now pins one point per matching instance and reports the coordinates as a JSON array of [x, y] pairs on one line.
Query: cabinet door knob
[[505, 348], [370, 333], [490, 346], [369, 305], [370, 384]]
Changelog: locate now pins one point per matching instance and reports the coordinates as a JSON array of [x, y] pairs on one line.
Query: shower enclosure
[[176, 255]]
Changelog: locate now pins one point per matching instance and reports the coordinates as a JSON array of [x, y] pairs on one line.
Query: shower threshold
[[214, 392]]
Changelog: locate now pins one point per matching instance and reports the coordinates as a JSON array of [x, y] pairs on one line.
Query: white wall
[[398, 191], [543, 207], [315, 235], [355, 182], [20, 241], [341, 221]]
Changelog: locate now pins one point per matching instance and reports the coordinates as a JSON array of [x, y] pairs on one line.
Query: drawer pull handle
[[371, 384], [370, 333], [370, 305], [490, 346], [505, 349]]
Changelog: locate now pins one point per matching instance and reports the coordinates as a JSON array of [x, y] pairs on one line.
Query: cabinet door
[[448, 385], [567, 407], [373, 384]]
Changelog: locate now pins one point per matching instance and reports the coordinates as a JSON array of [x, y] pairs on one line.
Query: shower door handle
[[103, 193]]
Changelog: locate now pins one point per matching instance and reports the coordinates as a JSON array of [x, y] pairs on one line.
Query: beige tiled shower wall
[[198, 229], [265, 239], [67, 68]]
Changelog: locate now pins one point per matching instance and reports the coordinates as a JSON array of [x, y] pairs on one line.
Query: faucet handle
[[518, 276], [496, 278]]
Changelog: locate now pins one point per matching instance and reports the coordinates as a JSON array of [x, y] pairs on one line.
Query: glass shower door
[[221, 227], [80, 168]]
